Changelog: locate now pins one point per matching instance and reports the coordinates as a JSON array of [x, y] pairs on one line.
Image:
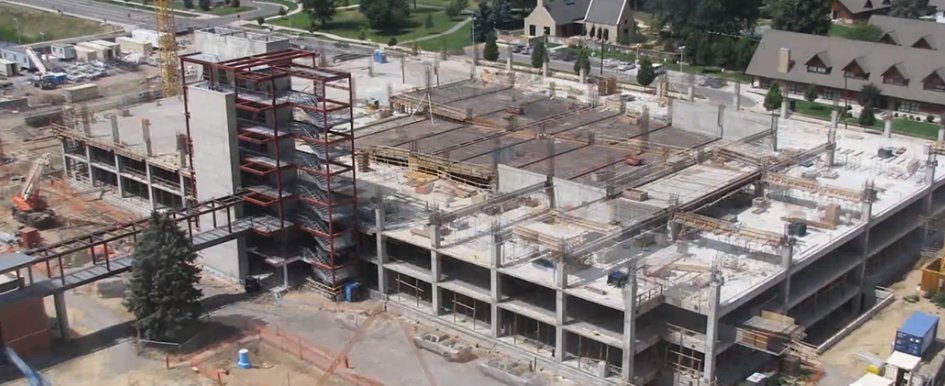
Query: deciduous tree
[[583, 61], [804, 16], [162, 293], [810, 93], [385, 15], [321, 11], [744, 50], [204, 5], [910, 9], [870, 95]]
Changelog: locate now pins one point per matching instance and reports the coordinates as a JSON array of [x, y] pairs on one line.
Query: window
[[894, 79], [828, 93], [817, 69], [606, 34], [547, 30], [909, 107], [855, 74], [531, 30]]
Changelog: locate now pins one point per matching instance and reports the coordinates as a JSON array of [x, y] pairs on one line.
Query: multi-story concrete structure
[[607, 246]]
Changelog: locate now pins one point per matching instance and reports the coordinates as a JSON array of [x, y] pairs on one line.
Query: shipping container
[[917, 334]]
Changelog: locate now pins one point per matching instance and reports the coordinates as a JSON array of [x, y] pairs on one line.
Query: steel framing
[[328, 203]]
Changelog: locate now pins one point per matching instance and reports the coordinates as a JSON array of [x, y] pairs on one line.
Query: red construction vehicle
[[29, 207]]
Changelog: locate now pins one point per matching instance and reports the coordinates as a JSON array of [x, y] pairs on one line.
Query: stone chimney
[[784, 60]]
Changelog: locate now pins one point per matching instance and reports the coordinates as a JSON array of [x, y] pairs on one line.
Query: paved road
[[116, 13], [678, 81]]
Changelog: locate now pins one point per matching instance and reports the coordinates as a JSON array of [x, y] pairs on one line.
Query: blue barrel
[[380, 56], [243, 359]]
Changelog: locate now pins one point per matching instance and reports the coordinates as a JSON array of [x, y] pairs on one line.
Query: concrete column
[[834, 119], [67, 174], [712, 328], [720, 119], [150, 185], [403, 70], [508, 58], [887, 125], [552, 88], [787, 257], [690, 93], [737, 98], [116, 136], [370, 69], [941, 127], [88, 158], [629, 324], [379, 224], [118, 177], [496, 279], [583, 75], [544, 70], [146, 134], [435, 235], [183, 190], [62, 315], [561, 301], [867, 205], [832, 139], [774, 132], [931, 166], [436, 72], [784, 108]]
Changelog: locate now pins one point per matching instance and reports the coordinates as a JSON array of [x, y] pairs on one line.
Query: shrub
[[261, 20], [283, 11], [235, 3], [930, 118], [392, 42]]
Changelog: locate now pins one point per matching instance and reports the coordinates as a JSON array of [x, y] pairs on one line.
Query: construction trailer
[[101, 52], [81, 93], [8, 68], [112, 49], [85, 54], [132, 45], [63, 51]]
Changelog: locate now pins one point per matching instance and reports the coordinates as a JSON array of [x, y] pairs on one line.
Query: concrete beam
[[495, 200]]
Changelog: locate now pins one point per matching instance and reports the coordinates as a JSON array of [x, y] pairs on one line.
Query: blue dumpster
[[351, 291]]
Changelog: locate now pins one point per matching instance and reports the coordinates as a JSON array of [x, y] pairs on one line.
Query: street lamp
[[682, 56], [19, 40]]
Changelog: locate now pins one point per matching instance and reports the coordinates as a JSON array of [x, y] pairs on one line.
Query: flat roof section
[[411, 132], [536, 110], [525, 153], [437, 143], [460, 90], [166, 120], [582, 161], [490, 103]]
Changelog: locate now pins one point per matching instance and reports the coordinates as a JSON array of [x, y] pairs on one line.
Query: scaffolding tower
[[296, 140]]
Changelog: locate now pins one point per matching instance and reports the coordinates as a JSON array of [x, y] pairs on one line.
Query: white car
[[626, 66]]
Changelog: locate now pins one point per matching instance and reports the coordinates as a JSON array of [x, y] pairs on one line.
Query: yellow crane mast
[[167, 37]]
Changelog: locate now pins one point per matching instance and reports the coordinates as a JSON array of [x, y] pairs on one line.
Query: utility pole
[[601, 57]]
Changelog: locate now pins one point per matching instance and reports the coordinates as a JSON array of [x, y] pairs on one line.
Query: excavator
[[29, 207]]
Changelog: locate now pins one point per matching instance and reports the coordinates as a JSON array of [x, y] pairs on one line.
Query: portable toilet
[[917, 334]]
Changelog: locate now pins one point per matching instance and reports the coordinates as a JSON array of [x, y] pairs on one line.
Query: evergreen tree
[[539, 56], [483, 22], [870, 95], [261, 20], [867, 116], [385, 15], [204, 5], [583, 61], [645, 74], [810, 94], [491, 51], [773, 98], [909, 9], [162, 292], [189, 4], [235, 3], [428, 23], [704, 52]]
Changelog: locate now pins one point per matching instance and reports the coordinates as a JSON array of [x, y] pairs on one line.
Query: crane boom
[[29, 185], [167, 39]]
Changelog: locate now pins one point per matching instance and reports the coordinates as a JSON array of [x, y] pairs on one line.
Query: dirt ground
[[875, 337], [271, 367]]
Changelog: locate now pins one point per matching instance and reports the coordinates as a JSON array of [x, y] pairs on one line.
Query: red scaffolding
[[284, 95]]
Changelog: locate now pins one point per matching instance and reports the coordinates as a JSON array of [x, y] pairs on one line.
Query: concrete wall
[[213, 128], [228, 46], [716, 121], [26, 327], [567, 193]]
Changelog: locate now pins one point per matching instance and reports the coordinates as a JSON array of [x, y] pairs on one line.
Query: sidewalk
[[332, 36]]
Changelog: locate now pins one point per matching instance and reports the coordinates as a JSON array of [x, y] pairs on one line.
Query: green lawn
[[285, 3], [840, 30], [902, 126], [349, 24], [33, 22], [711, 71], [222, 10], [454, 41]]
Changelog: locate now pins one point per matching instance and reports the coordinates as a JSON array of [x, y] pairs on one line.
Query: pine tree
[[867, 116], [645, 74], [583, 61], [539, 56], [773, 98], [491, 51], [162, 291]]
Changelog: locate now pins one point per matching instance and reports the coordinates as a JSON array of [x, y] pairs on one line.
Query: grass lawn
[[285, 3], [840, 30], [349, 23], [902, 126], [32, 22], [454, 41], [222, 10], [713, 71]]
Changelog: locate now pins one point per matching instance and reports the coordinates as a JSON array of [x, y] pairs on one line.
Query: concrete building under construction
[[609, 243]]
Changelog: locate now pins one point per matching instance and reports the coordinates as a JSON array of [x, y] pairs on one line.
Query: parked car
[[510, 372], [626, 66], [659, 69], [518, 48], [443, 345]]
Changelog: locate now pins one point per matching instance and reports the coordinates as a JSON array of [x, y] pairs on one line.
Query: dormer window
[[922, 43], [895, 76], [935, 81], [855, 71], [868, 5], [889, 38], [819, 64]]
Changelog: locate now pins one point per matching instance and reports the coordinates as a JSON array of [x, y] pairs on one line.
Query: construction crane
[[167, 40], [29, 207]]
